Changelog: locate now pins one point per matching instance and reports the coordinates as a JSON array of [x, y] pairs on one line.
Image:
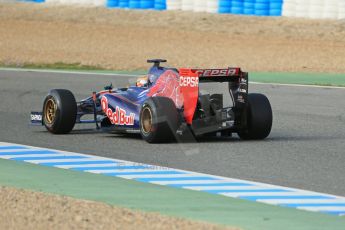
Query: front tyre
[[158, 120], [59, 111], [258, 118]]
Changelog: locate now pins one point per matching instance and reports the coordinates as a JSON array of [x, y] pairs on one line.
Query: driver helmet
[[142, 81], [146, 81], [152, 78]]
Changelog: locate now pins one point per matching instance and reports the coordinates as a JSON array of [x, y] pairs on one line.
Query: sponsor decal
[[189, 81], [119, 116], [217, 72], [36, 117]]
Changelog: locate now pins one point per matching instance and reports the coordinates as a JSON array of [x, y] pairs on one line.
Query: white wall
[[315, 9], [79, 2]]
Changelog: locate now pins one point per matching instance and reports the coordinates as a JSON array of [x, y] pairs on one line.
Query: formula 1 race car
[[165, 105]]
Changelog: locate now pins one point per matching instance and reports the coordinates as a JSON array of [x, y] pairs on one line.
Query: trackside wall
[[313, 9]]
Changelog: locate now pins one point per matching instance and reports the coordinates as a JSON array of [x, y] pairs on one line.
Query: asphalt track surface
[[306, 148]]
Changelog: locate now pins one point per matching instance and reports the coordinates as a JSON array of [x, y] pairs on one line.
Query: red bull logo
[[119, 116]]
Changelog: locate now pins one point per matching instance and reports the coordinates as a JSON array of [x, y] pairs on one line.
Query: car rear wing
[[218, 75], [189, 86]]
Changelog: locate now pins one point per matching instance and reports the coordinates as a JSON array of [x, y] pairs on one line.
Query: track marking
[[181, 179], [298, 85], [68, 72]]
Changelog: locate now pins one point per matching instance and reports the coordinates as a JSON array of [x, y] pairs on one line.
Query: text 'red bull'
[[119, 117]]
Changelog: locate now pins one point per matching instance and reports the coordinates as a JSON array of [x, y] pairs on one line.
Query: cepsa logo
[[189, 81], [217, 72], [119, 117]]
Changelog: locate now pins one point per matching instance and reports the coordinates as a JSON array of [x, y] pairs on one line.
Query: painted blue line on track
[[254, 198], [314, 205], [12, 147], [244, 190], [47, 158], [143, 173], [175, 179], [29, 152], [338, 213], [79, 163], [108, 168], [210, 184]]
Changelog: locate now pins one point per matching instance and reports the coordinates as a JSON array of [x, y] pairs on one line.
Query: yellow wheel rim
[[50, 111], [146, 120]]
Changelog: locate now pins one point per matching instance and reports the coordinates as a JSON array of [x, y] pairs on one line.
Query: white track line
[[298, 85], [210, 188], [68, 72], [195, 182], [293, 193], [154, 176], [123, 170], [326, 208], [301, 201]]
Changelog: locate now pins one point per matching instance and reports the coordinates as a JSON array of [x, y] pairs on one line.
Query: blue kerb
[[174, 179], [314, 205], [47, 158], [211, 184], [338, 213], [108, 168], [12, 147], [143, 173], [244, 190], [254, 198], [28, 152], [79, 163]]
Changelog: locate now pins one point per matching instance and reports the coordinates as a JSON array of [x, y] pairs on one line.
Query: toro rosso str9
[[165, 105]]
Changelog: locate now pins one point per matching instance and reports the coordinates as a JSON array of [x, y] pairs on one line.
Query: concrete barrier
[[341, 12], [314, 9], [224, 6], [123, 3], [275, 7], [212, 6], [174, 4], [160, 5], [200, 6]]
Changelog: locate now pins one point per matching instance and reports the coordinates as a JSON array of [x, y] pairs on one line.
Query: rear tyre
[[59, 111], [158, 120], [258, 118]]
